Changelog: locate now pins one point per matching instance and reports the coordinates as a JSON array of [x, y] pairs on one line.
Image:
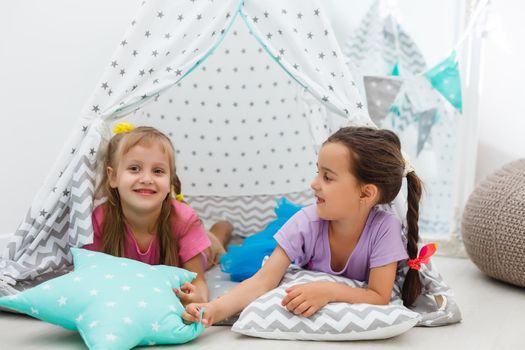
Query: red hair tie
[[424, 254]]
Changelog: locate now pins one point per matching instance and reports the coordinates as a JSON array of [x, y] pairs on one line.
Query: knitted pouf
[[493, 225]]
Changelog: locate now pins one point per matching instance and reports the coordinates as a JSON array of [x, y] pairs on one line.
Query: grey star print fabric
[[247, 90]]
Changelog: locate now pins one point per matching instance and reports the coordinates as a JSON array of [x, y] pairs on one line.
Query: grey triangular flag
[[380, 93], [426, 122]]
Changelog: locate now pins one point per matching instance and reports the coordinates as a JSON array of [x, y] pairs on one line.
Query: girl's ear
[[111, 177], [369, 193]]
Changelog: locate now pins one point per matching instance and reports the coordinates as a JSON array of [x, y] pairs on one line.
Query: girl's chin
[[321, 211]]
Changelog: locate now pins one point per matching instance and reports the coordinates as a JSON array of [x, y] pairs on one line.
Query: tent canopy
[[245, 127], [245, 124]]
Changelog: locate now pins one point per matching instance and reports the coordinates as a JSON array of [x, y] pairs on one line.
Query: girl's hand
[[187, 294], [306, 299], [192, 314]]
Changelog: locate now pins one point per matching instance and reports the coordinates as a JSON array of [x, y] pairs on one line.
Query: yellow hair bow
[[123, 127]]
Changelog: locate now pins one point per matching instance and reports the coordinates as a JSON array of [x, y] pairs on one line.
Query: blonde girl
[[142, 221]]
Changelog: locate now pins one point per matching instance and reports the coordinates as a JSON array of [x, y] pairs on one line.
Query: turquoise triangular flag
[[444, 77], [395, 70]]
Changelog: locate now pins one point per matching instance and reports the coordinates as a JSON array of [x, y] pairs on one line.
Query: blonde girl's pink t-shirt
[[186, 225]]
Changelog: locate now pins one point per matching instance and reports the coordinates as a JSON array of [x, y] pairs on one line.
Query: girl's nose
[[314, 185], [146, 180]]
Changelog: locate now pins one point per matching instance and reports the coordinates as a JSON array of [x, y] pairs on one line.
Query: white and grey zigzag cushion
[[266, 318]]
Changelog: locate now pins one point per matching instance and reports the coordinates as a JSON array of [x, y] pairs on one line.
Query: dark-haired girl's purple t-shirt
[[304, 238]]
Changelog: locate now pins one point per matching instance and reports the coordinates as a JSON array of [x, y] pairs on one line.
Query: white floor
[[493, 318]]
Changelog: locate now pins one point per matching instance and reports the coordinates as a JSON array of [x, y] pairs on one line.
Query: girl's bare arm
[[197, 290], [267, 278]]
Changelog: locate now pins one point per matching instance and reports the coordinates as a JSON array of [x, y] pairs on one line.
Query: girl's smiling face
[[142, 178], [336, 189]]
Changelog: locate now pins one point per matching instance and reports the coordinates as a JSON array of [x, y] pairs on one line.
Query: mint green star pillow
[[115, 303]]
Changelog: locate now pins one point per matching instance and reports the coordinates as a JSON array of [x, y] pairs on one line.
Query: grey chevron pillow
[[266, 318]]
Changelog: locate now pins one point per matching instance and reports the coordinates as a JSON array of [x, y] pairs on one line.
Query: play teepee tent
[[245, 128], [247, 90]]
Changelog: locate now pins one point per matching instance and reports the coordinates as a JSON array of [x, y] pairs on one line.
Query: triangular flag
[[395, 70], [380, 93], [402, 111], [444, 77], [426, 122]]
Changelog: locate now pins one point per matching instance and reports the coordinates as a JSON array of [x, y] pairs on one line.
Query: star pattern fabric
[[114, 303], [226, 173], [238, 118], [314, 59]]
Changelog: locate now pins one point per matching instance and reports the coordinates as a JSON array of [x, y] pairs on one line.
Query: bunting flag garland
[[380, 93], [445, 78], [421, 92], [402, 112], [395, 71], [415, 96], [380, 41], [426, 121], [422, 110]]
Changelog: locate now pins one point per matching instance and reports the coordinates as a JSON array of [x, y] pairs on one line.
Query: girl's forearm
[[239, 297], [267, 278], [342, 293]]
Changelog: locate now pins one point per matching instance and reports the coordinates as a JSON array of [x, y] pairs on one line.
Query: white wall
[[53, 53], [502, 117]]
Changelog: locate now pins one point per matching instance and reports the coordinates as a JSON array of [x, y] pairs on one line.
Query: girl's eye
[[326, 178], [134, 168], [159, 171]]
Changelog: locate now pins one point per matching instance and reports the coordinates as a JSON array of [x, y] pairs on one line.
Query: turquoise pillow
[[115, 303]]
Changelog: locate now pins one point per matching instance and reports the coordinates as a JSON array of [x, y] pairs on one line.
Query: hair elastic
[[424, 255]]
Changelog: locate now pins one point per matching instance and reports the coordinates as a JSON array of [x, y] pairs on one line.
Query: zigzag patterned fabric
[[266, 318], [433, 289], [60, 217], [379, 43], [248, 214]]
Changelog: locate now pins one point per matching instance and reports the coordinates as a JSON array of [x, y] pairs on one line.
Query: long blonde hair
[[113, 227]]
